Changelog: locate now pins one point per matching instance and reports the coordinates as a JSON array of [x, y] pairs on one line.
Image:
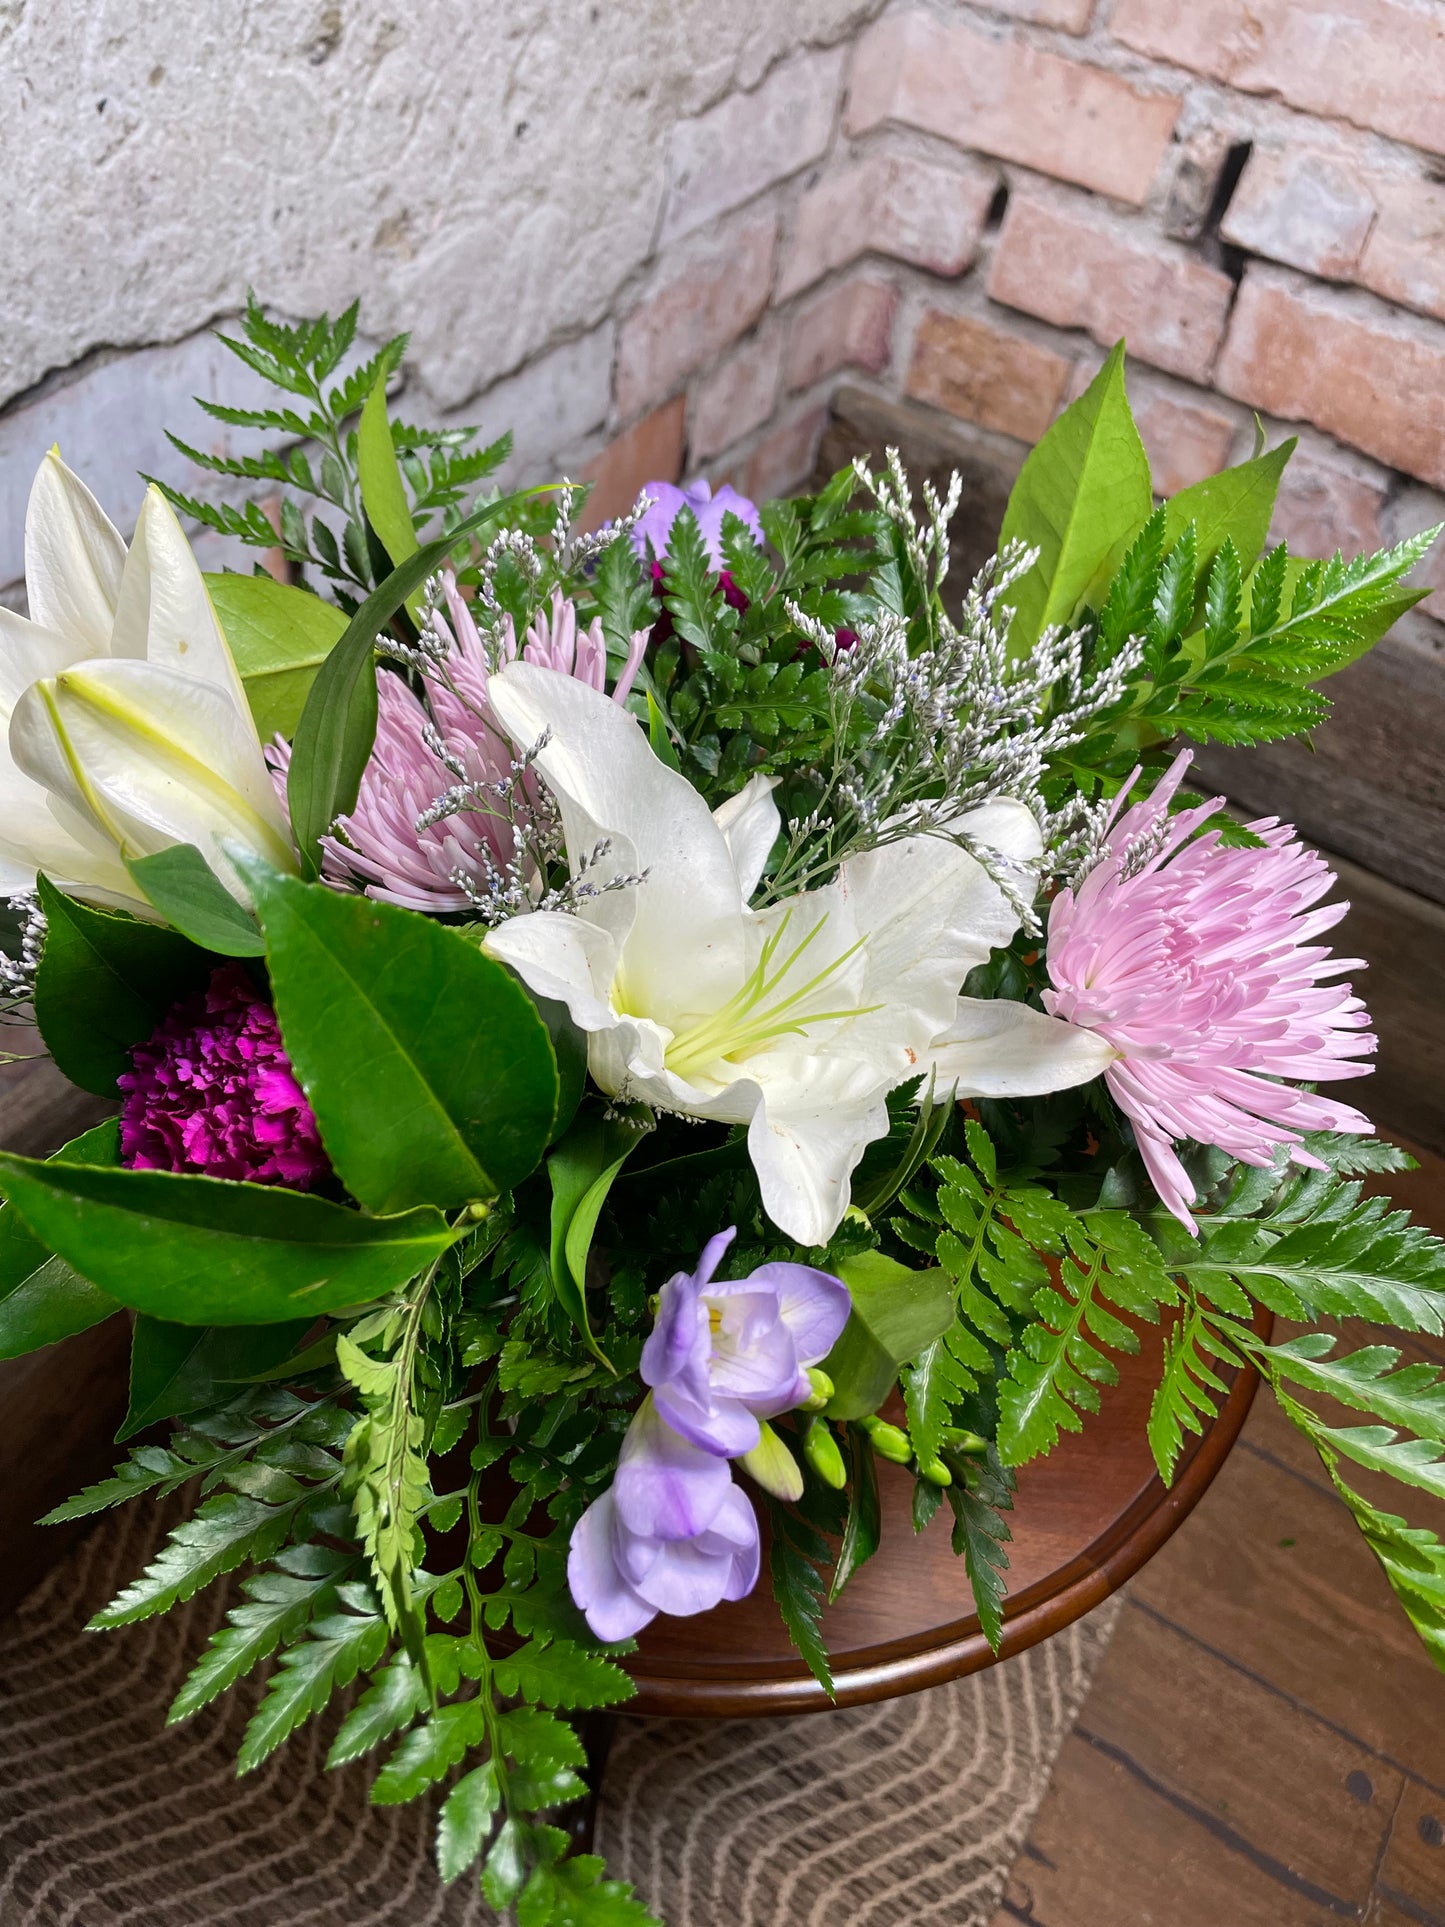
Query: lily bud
[[820, 1449], [823, 1389], [889, 1442], [773, 1466]]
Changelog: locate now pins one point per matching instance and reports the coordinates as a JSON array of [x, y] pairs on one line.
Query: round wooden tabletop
[[1085, 1519]]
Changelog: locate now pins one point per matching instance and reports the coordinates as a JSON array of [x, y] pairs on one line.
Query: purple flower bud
[[724, 1355], [654, 529], [213, 1092], [672, 1535]]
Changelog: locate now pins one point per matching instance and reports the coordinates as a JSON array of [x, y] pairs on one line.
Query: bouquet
[[597, 1018]]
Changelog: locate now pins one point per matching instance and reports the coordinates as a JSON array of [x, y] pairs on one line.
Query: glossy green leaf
[[338, 723], [863, 1533], [583, 1168], [1235, 506], [279, 636], [191, 897], [42, 1299], [896, 1312], [429, 1070], [206, 1251], [383, 493], [105, 981], [1081, 497], [175, 1369]]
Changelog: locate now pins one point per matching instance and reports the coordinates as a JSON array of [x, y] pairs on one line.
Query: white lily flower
[[128, 727], [795, 1020]]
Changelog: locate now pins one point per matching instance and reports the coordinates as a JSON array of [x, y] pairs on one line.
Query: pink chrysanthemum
[[379, 844], [213, 1092], [1197, 963]]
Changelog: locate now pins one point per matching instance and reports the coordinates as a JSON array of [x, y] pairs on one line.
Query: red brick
[[1378, 63], [649, 451], [914, 210], [1071, 264], [1412, 510], [1007, 97], [1404, 258], [847, 326], [1072, 15], [1184, 440], [1344, 362], [737, 396], [748, 142], [783, 461], [985, 374], [706, 300], [1309, 209], [1327, 501]]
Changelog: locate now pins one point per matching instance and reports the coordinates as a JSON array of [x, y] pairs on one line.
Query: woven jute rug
[[907, 1812]]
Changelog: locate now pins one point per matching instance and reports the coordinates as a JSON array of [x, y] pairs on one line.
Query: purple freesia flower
[[668, 500], [673, 1534], [726, 1353]]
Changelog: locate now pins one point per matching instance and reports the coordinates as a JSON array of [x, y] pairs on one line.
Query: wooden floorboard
[[1264, 1745]]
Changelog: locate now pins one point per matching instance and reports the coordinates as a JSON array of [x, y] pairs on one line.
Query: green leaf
[[383, 493], [338, 722], [1237, 506], [205, 1251], [190, 896], [43, 1300], [429, 1070], [428, 1753], [561, 1674], [1189, 1392], [176, 1369], [279, 636], [278, 1606], [982, 1491], [393, 1700], [583, 1168], [466, 1820], [104, 982], [506, 1868], [1412, 1398], [1080, 498], [226, 1530], [336, 1650], [794, 1559], [863, 1533], [897, 1311]]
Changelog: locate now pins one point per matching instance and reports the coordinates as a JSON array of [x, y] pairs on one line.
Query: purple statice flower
[[1198, 964], [673, 1534], [652, 530], [388, 844], [213, 1092], [725, 1354]]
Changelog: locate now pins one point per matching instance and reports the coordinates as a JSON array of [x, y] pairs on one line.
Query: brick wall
[[956, 208]]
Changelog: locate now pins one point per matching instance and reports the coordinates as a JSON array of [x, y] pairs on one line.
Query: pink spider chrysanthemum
[[379, 844], [1197, 963]]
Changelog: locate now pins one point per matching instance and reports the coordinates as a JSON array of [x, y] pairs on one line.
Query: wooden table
[[1086, 1518]]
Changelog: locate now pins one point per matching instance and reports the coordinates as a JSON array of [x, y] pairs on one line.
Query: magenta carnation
[[213, 1092], [1197, 963]]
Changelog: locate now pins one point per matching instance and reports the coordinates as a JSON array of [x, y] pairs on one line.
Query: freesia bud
[[888, 1441], [935, 1471], [823, 1389], [972, 1443], [820, 1449], [773, 1466]]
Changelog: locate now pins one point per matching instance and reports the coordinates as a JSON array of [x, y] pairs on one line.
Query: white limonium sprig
[[17, 968]]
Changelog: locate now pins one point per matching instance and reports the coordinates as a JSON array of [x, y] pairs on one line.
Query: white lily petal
[[1005, 825], [807, 1137], [163, 612], [38, 833], [931, 913], [561, 957], [74, 558], [155, 758], [996, 1048], [28, 652], [750, 822], [684, 951]]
